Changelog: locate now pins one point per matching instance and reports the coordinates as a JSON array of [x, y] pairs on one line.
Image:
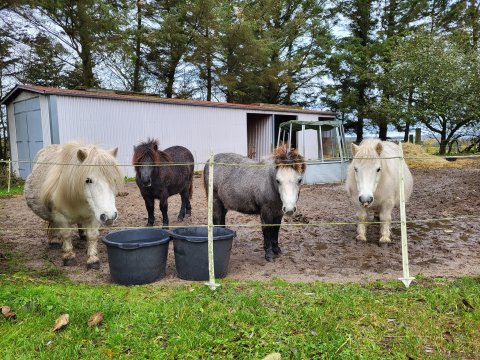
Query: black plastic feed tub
[[191, 251], [137, 256]]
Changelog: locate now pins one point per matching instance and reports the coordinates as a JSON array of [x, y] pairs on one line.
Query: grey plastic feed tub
[[191, 251], [137, 256]]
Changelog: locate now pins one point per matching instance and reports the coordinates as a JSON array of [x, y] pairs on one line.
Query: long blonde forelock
[[66, 178]]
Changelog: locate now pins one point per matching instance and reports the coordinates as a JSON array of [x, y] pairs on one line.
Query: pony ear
[[81, 155], [114, 151], [354, 149], [155, 147], [379, 148]]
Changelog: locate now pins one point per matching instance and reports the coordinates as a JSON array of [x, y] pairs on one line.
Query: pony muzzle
[[108, 220], [365, 200], [289, 212]]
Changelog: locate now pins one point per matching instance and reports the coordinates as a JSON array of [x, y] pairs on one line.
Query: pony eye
[[356, 170], [378, 170], [300, 181], [278, 182], [89, 181]]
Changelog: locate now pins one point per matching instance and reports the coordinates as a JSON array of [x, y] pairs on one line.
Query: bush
[[14, 180]]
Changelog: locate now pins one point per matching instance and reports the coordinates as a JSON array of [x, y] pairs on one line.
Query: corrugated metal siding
[[260, 134], [112, 123]]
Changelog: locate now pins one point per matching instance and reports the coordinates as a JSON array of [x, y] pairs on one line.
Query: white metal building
[[38, 116]]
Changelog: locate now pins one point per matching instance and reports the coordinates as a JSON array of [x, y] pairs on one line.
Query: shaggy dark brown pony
[[269, 188], [156, 179]]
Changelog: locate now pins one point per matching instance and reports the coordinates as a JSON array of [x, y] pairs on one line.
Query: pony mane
[[284, 157], [67, 176], [149, 147], [376, 148], [368, 149]]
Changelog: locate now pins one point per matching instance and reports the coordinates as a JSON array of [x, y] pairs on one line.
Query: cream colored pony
[[373, 183], [75, 183]]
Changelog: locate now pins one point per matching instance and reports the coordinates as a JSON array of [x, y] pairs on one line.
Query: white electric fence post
[[406, 279], [211, 267], [9, 164]]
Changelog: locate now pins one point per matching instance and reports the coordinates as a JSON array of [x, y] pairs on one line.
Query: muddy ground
[[327, 252]]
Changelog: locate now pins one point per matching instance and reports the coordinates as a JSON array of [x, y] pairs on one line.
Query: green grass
[[14, 190], [434, 318]]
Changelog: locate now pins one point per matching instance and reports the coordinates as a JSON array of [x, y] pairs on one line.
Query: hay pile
[[417, 158]]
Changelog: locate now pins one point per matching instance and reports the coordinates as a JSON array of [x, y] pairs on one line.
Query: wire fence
[[258, 164], [403, 220]]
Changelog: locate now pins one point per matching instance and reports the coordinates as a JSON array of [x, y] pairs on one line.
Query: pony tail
[[190, 190]]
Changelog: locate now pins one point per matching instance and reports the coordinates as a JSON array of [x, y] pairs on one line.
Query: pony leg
[[268, 232], [276, 249], [188, 206], [54, 240], [219, 212], [150, 205], [183, 206], [93, 262], [69, 258], [65, 235], [164, 210], [82, 232], [362, 228], [386, 218]]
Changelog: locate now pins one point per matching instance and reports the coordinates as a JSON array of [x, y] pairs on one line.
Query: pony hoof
[[277, 251], [69, 262], [95, 265], [361, 238], [269, 255], [180, 218], [188, 214], [384, 240], [149, 224], [54, 245]]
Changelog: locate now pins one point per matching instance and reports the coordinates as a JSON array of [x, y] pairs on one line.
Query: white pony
[[75, 183], [373, 183]]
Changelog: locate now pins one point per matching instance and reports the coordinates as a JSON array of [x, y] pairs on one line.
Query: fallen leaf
[[447, 336], [95, 319], [8, 313], [273, 356], [467, 304], [5, 309], [61, 322]]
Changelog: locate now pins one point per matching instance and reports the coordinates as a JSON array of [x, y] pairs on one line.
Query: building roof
[[297, 125], [144, 97]]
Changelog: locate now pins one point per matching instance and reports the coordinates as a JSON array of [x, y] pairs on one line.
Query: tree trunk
[[86, 45], [443, 140], [359, 129], [209, 80], [408, 121], [209, 69], [136, 72], [407, 131], [169, 84], [382, 131], [361, 107], [474, 18]]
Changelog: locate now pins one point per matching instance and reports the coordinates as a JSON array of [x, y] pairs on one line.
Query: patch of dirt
[[325, 252]]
